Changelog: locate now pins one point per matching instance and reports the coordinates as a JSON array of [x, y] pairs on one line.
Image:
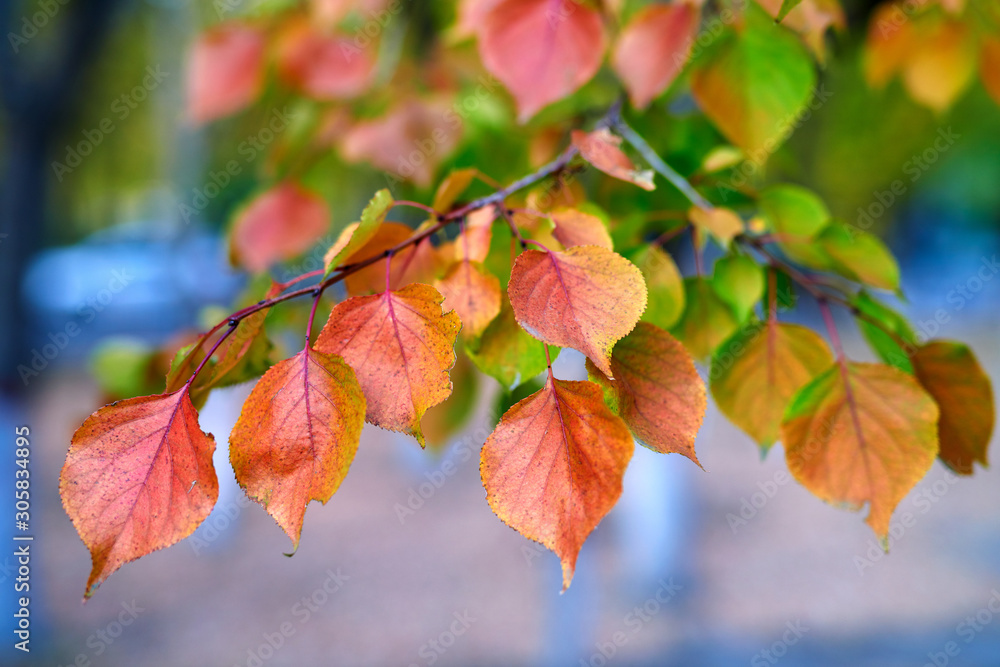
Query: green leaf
[[884, 345], [121, 367], [507, 352], [860, 256], [739, 281], [664, 285], [753, 83], [796, 216], [759, 369], [787, 6], [357, 234], [707, 319]]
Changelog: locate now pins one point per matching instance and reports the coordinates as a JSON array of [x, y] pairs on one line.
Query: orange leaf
[[297, 435], [653, 49], [586, 298], [553, 467], [600, 148], [401, 346], [542, 50], [138, 477], [890, 41], [656, 390], [325, 67], [226, 71], [989, 67], [420, 262], [861, 433], [574, 227], [473, 242], [473, 293], [722, 223], [952, 375], [279, 224], [940, 64]]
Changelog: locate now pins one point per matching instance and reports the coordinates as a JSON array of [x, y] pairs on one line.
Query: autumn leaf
[[720, 222], [707, 320], [989, 66], [759, 369], [506, 352], [401, 346], [553, 467], [586, 298], [541, 50], [600, 149], [886, 346], [664, 283], [138, 477], [656, 390], [407, 142], [890, 40], [861, 433], [753, 83], [787, 6], [473, 240], [473, 293], [297, 435], [357, 234], [419, 262], [940, 64], [653, 49], [325, 67], [277, 225], [951, 374], [452, 186], [225, 72], [574, 226]]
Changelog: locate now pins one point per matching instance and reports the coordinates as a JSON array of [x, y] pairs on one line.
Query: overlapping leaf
[[600, 149], [952, 375], [656, 390], [473, 293], [357, 234], [279, 224], [226, 71], [138, 477], [586, 298], [861, 433], [553, 467], [707, 320], [756, 373], [297, 435], [573, 226], [506, 352], [401, 346]]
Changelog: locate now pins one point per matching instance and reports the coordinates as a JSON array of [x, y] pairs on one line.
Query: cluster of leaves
[[500, 281]]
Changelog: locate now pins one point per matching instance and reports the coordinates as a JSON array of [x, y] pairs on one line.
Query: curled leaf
[[586, 298], [600, 148]]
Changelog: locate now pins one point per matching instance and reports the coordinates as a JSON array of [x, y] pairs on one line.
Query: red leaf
[[401, 346], [600, 148], [138, 477], [586, 298], [297, 435], [322, 66], [542, 50], [553, 467], [653, 49], [575, 227], [473, 293], [279, 224], [420, 262], [226, 71]]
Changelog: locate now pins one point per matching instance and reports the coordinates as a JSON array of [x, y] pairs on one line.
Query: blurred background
[[407, 565]]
